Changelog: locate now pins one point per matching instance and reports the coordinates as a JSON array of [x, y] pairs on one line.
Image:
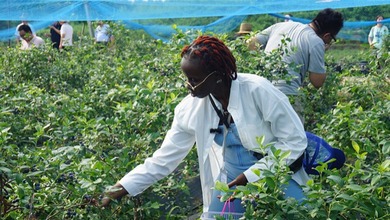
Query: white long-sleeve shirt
[[34, 42], [258, 109], [102, 33]]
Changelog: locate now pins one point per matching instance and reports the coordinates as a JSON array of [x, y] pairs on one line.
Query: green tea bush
[[351, 111], [74, 122]]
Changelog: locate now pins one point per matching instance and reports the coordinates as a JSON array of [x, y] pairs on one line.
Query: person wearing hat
[[287, 18], [245, 28], [103, 34]]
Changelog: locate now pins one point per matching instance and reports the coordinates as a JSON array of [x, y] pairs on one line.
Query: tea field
[[74, 122]]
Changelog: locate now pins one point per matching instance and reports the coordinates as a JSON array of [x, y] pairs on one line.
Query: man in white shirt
[[306, 51], [29, 40], [103, 33], [66, 35], [18, 38]]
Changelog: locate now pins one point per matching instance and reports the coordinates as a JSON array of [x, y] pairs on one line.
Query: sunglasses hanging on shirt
[[224, 116]]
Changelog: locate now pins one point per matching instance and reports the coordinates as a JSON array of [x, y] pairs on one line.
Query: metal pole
[[9, 40], [88, 18]]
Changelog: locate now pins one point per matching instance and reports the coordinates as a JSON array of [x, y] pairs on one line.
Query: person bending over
[[222, 101], [306, 50]]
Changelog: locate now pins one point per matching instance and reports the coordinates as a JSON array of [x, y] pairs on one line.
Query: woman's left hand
[[240, 180]]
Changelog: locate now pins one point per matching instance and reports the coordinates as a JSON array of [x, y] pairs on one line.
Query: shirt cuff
[[251, 176]]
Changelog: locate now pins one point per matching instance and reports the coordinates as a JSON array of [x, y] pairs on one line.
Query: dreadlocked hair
[[213, 54]]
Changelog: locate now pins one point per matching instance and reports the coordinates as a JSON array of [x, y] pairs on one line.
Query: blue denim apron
[[238, 159]]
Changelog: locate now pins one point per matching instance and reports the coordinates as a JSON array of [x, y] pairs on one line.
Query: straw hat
[[245, 28]]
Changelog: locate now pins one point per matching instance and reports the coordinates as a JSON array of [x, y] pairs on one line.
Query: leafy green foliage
[[268, 65], [351, 111], [74, 122]]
